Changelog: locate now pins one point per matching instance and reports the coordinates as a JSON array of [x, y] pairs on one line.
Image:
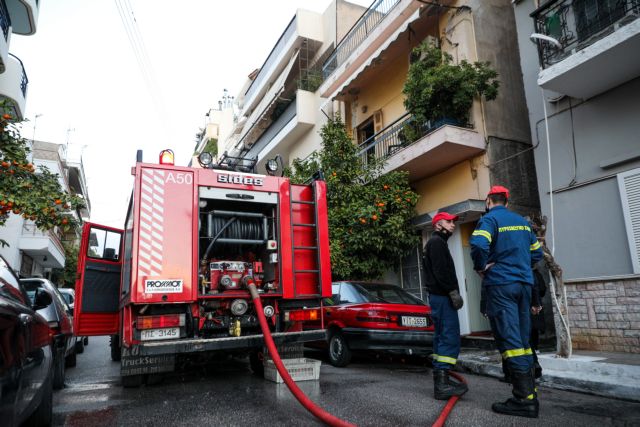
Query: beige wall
[[466, 180], [383, 94]]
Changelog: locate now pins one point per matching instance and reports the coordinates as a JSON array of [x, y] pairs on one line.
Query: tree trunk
[[558, 292]]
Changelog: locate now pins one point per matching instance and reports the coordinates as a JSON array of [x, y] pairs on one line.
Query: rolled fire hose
[[318, 412]]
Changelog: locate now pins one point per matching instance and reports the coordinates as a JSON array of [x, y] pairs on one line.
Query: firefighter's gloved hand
[[456, 300]]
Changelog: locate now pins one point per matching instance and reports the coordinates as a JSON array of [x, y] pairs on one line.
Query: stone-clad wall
[[605, 316]]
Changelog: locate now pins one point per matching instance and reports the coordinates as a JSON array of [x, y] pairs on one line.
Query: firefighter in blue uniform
[[503, 249], [445, 301]]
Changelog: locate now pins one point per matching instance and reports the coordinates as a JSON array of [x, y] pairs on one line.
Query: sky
[[88, 91]]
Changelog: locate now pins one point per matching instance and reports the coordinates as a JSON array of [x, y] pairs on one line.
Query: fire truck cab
[[172, 283]]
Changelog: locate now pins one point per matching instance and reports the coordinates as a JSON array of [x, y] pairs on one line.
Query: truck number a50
[[179, 178]]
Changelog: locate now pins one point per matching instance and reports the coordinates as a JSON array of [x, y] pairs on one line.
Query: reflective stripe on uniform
[[531, 396], [535, 246], [516, 352], [482, 233], [444, 359]]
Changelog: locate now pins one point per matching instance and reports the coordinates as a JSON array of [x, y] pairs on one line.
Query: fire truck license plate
[[420, 322], [159, 334]]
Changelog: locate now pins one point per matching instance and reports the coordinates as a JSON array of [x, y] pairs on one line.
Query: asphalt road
[[368, 392]]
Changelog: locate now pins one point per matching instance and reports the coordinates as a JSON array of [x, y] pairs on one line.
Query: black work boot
[[444, 387], [524, 402], [507, 372]]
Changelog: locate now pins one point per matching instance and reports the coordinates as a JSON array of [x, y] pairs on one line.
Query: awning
[[468, 211]]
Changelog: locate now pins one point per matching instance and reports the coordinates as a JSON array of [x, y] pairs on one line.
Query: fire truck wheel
[[256, 360], [114, 343], [339, 352], [132, 381], [85, 340]]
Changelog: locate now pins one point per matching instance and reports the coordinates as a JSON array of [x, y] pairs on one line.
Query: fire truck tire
[[132, 381], [85, 340], [256, 361], [114, 343], [339, 352]]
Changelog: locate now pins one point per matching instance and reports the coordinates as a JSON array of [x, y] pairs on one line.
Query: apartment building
[[353, 61], [451, 164], [278, 108], [16, 17], [34, 252], [581, 68]]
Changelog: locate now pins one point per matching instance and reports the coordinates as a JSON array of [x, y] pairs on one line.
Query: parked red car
[[375, 316]]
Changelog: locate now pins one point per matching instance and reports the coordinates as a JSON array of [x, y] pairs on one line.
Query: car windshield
[[391, 294]]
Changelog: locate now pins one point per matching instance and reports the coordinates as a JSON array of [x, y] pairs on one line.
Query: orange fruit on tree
[[65, 221], [58, 201], [6, 116], [374, 217]]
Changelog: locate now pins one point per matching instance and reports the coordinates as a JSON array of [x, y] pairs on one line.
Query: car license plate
[[419, 322], [160, 334]]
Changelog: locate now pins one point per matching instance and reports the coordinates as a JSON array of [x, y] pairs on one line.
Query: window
[[104, 244], [348, 294], [629, 185]]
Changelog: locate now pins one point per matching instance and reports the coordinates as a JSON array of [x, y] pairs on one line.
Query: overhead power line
[[125, 10]]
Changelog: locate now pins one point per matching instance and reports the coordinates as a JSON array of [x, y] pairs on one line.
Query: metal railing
[[357, 34], [24, 81], [5, 20], [400, 134], [576, 24], [273, 55]]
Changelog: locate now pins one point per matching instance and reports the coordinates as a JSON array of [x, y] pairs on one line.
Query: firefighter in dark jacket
[[503, 249], [445, 300]]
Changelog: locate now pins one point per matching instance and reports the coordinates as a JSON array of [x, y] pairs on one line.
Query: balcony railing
[[271, 59], [5, 21], [358, 33], [398, 135], [576, 24], [24, 81]]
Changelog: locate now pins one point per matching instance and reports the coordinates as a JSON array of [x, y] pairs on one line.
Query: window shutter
[[629, 184], [377, 121]]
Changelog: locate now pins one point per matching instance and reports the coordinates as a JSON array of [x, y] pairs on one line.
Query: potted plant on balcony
[[440, 92]]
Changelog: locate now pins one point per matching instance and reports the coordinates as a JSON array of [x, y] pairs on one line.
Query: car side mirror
[[42, 299]]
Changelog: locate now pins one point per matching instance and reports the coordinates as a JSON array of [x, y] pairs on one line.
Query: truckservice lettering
[[163, 286], [239, 179]]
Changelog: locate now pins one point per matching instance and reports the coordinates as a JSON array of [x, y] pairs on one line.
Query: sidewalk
[[605, 374]]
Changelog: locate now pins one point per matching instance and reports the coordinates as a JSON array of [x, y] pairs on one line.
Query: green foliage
[[36, 195], [67, 276], [436, 88], [369, 213], [211, 147]]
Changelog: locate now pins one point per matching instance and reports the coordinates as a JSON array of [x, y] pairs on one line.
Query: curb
[[484, 364]]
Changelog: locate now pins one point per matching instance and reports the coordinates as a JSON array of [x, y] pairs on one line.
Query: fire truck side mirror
[[139, 156]]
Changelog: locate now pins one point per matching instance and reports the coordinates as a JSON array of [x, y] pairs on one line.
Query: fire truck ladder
[[315, 248]]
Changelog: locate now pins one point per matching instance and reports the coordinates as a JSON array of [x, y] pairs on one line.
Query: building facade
[[31, 251], [581, 69], [353, 61]]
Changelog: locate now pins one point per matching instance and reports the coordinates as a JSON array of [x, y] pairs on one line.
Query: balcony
[[424, 150], [304, 33], [378, 27], [23, 15], [5, 24], [296, 119], [43, 246], [13, 86], [597, 49]]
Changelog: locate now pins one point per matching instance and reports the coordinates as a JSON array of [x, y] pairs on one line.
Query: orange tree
[[369, 212], [24, 190]]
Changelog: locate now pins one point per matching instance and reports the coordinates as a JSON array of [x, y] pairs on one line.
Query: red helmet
[[499, 189]]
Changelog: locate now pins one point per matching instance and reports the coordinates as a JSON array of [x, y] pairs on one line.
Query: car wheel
[[79, 346], [58, 371], [70, 360], [85, 340], [131, 381], [114, 343], [256, 361], [339, 352], [43, 414]]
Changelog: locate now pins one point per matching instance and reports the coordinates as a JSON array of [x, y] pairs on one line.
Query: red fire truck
[[172, 285]]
